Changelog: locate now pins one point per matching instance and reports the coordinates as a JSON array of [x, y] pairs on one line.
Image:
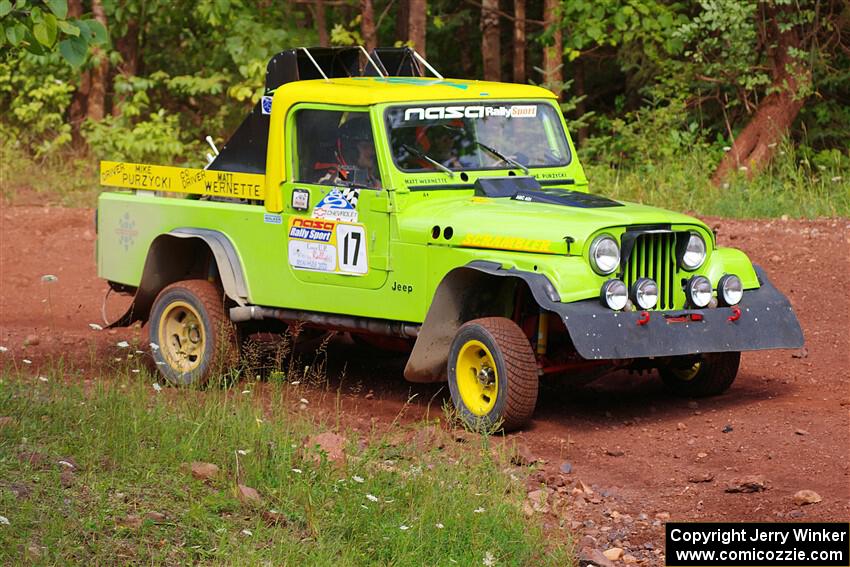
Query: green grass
[[129, 443], [64, 178], [790, 186]]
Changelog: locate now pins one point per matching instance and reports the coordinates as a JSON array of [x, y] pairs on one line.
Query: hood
[[531, 226]]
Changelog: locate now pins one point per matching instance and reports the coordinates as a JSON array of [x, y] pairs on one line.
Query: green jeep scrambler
[[452, 216]]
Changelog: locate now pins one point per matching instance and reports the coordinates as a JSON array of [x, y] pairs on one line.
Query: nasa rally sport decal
[[323, 245], [339, 205], [472, 111]]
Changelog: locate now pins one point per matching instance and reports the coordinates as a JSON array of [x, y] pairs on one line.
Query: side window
[[336, 148]]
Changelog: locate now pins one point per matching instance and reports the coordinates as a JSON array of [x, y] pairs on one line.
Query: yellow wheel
[[191, 336], [477, 378], [492, 374], [181, 336], [705, 375]]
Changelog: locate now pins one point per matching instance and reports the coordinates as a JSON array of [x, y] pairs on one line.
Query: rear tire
[[492, 374], [708, 375], [194, 338]]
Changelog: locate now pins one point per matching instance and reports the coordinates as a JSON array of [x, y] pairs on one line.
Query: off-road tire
[[716, 373], [516, 368], [219, 350]]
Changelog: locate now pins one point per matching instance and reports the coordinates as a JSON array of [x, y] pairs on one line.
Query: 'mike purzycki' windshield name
[[755, 534]]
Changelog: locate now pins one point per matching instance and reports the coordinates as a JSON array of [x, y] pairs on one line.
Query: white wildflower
[[95, 327], [122, 344], [836, 178], [27, 361], [42, 378], [243, 452], [488, 560], [297, 471], [248, 533], [404, 528], [304, 401], [66, 464], [726, 148], [246, 391], [48, 278], [157, 387], [478, 511], [743, 168], [295, 383], [134, 370], [154, 346], [372, 497], [140, 352], [356, 478], [4, 520], [439, 526], [3, 349]]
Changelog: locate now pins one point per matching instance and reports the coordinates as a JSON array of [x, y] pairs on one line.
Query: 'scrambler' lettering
[[506, 243]]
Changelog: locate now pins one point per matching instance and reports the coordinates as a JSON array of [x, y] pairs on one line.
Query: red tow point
[[736, 313], [644, 318]]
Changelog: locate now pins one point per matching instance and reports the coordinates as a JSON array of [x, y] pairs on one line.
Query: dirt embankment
[[645, 455]]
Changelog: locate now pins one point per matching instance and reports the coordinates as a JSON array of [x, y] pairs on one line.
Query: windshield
[[491, 135]]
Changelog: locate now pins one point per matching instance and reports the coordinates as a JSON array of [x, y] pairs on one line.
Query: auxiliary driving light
[[698, 291], [730, 290], [694, 253], [645, 293], [614, 294]]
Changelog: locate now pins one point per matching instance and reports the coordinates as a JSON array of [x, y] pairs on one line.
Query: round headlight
[[698, 291], [614, 294], [604, 255], [645, 293], [730, 290], [694, 253]]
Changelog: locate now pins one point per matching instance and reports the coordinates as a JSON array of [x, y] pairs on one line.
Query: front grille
[[654, 256]]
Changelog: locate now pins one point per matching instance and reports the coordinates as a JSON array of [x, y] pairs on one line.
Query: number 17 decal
[[351, 248]]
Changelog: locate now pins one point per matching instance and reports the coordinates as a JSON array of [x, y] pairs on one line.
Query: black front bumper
[[765, 321]]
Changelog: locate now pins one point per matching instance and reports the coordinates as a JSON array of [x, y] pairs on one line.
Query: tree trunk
[[128, 47], [402, 17], [755, 145], [519, 42], [79, 102], [367, 24], [581, 91], [322, 23], [491, 55], [553, 55], [416, 24], [99, 72]]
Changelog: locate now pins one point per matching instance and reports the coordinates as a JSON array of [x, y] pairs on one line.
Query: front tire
[[194, 338], [492, 374], [707, 375]]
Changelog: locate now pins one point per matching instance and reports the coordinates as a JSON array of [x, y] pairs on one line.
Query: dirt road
[[644, 454]]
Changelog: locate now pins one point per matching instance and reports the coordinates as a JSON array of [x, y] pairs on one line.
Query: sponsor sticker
[[336, 206], [327, 245], [300, 199], [270, 218], [266, 104]]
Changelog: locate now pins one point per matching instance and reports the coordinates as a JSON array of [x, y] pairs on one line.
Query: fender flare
[[165, 264], [457, 300]]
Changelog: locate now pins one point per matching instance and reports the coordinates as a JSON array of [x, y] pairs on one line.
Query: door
[[335, 208]]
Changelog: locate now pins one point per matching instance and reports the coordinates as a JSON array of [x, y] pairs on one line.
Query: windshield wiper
[[429, 159], [502, 156]]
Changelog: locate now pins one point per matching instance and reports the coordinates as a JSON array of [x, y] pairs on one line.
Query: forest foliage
[[731, 87]]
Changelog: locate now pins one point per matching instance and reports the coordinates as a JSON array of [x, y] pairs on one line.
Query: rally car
[[449, 218]]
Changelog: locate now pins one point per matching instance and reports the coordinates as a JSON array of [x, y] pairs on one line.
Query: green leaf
[[98, 32], [5, 7], [73, 50], [39, 31], [69, 29], [50, 23], [58, 7], [15, 34]]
